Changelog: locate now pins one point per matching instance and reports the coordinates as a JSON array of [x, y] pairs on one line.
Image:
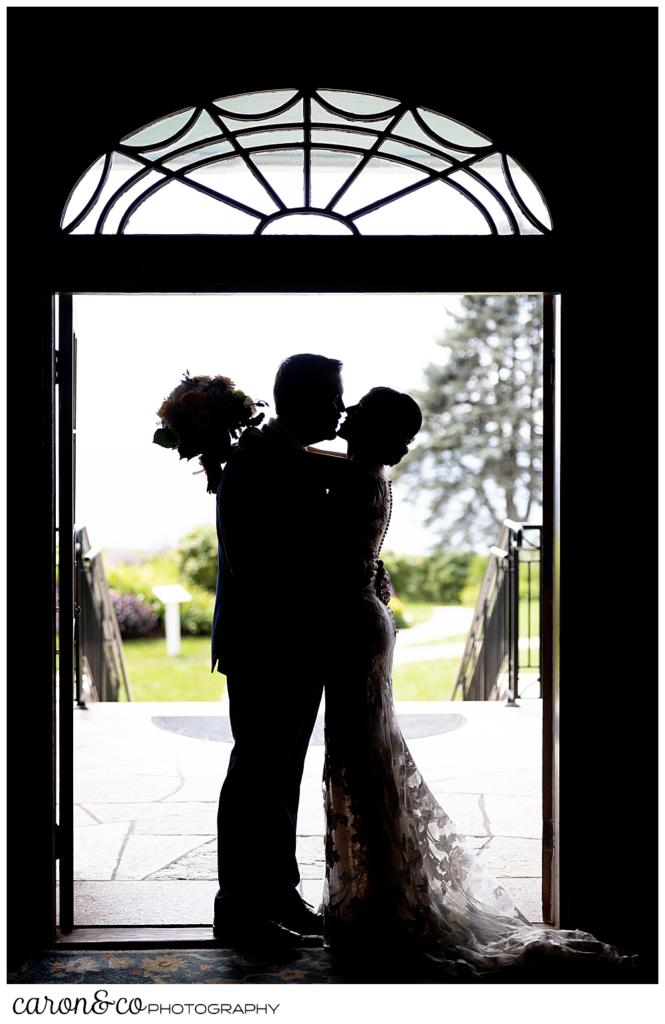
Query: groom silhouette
[[270, 610]]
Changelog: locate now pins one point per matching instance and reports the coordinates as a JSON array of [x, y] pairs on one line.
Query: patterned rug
[[194, 967], [300, 967]]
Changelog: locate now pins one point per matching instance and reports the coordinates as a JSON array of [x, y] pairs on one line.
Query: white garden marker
[[173, 595]]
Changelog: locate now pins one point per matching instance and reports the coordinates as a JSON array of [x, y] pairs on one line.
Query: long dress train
[[400, 878]]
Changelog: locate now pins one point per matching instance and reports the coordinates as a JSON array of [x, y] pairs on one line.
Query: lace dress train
[[400, 878]]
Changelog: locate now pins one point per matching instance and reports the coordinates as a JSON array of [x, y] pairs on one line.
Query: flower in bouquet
[[203, 416]]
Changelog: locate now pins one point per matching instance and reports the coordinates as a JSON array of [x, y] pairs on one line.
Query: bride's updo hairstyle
[[381, 426]]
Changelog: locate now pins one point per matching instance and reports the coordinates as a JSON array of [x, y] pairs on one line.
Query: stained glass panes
[[436, 209], [408, 128], [176, 209], [491, 169], [293, 115], [202, 128], [330, 169], [257, 104], [320, 115], [529, 192], [269, 139], [232, 179], [414, 154], [283, 171], [358, 104], [124, 200], [377, 180], [180, 160], [451, 131], [499, 211], [159, 131], [289, 161], [125, 179], [84, 191], [306, 224]]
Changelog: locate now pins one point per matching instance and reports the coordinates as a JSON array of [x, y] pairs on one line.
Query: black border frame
[[557, 114]]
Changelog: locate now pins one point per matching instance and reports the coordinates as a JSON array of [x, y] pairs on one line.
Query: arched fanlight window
[[292, 162]]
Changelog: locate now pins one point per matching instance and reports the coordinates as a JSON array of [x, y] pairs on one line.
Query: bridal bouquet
[[203, 416]]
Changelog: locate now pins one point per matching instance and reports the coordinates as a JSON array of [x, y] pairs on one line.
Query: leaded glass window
[[288, 162]]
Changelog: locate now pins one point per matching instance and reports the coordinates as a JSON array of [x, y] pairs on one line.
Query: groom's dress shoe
[[244, 928], [256, 934], [297, 915]]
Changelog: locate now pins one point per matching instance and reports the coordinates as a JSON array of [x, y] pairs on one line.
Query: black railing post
[[510, 632], [514, 542], [515, 545]]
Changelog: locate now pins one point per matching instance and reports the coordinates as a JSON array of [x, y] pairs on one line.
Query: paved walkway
[[146, 802]]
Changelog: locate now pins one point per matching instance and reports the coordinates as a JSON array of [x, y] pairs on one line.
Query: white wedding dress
[[400, 878]]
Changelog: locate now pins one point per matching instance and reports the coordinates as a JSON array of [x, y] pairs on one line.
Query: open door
[[65, 356], [550, 603]]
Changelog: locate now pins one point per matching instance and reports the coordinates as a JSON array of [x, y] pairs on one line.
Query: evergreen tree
[[479, 453]]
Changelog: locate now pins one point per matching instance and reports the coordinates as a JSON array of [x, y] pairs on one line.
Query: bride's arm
[[324, 451]]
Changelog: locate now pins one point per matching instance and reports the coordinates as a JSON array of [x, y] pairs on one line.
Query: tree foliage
[[479, 454]]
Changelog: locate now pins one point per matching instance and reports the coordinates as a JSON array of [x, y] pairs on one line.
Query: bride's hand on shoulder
[[382, 583]]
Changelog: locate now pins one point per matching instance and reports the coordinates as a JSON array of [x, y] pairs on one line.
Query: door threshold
[[133, 937]]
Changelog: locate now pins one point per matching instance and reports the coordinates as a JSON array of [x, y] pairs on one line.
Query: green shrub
[[400, 615], [197, 557], [139, 579], [196, 615], [477, 567], [440, 577]]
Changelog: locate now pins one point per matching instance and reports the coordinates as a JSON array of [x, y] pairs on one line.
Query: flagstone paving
[[146, 804]]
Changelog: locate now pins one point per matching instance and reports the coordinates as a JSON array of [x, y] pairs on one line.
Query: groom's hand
[[382, 587]]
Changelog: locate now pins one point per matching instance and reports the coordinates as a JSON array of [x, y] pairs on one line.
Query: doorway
[[118, 835]]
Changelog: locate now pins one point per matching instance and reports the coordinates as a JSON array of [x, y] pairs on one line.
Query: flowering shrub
[[135, 617], [138, 580]]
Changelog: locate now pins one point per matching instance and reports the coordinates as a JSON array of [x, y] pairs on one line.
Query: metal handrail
[[490, 665], [98, 643]]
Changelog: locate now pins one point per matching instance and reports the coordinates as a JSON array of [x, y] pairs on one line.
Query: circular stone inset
[[218, 728]]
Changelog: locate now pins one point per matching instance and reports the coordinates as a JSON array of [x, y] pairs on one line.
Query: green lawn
[[425, 680], [155, 675], [418, 611], [458, 638]]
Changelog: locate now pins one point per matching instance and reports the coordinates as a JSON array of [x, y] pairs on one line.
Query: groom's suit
[[269, 613]]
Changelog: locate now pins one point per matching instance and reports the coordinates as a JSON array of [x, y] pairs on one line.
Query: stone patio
[[146, 802]]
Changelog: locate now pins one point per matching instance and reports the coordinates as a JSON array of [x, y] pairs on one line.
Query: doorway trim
[[64, 932]]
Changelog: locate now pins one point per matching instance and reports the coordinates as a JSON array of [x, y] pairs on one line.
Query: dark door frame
[[90, 264]]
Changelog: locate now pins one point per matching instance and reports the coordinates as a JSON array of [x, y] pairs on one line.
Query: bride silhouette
[[401, 881]]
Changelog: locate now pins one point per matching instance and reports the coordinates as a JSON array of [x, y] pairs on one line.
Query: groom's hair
[[298, 375]]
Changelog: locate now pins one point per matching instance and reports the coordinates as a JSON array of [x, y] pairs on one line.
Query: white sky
[[133, 350]]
